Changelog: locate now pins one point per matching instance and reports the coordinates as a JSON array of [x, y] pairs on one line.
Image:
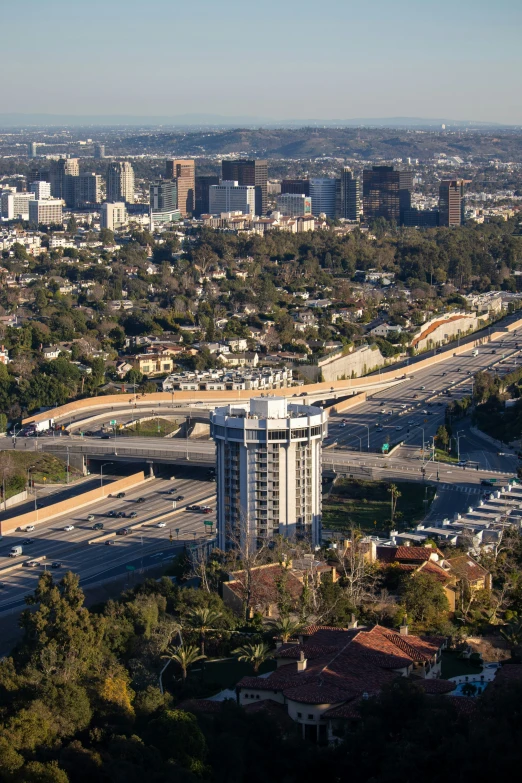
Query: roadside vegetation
[[373, 506]]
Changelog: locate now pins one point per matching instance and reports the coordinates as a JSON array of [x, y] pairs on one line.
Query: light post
[[360, 442], [35, 498], [101, 474], [459, 436], [3, 489], [421, 428], [368, 428], [68, 464]]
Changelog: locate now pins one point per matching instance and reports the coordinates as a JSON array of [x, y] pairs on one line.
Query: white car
[[398, 428], [161, 524], [68, 528], [29, 528], [32, 563]]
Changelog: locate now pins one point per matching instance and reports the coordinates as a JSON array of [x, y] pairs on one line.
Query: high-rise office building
[[99, 151], [294, 204], [295, 186], [120, 182], [203, 183], [113, 215], [61, 172], [268, 457], [451, 202], [184, 171], [323, 195], [229, 196], [15, 206], [87, 190], [163, 200], [32, 149], [249, 172], [386, 193], [350, 195], [41, 190], [47, 211]]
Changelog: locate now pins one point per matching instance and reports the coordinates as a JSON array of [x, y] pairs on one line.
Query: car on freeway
[[98, 526], [140, 500], [32, 563], [28, 541], [68, 528], [90, 518], [208, 510], [105, 437], [161, 524], [501, 453], [179, 497], [56, 564], [424, 412], [382, 402], [3, 585], [29, 528], [398, 428], [411, 421], [192, 508], [110, 542], [112, 513], [121, 514], [133, 515], [123, 531], [172, 491], [120, 495]]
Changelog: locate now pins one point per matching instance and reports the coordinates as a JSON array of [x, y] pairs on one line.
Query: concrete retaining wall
[[14, 499], [351, 365], [71, 504], [345, 405]]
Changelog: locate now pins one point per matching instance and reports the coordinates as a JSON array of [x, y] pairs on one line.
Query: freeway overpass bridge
[[332, 393]]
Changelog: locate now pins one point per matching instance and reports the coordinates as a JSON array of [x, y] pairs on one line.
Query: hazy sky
[[278, 59]]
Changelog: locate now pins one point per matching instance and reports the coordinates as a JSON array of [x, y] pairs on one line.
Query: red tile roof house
[[323, 679], [265, 593]]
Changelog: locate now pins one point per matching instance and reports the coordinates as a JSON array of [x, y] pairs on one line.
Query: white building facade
[[232, 197], [41, 190], [113, 216], [268, 457], [49, 210]]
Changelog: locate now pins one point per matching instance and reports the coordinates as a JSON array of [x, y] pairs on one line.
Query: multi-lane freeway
[[411, 411], [163, 526]]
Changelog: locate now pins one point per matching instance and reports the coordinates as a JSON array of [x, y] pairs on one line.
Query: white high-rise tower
[[268, 456]]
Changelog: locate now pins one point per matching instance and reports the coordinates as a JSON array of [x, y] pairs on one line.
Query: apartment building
[[46, 211], [268, 470]]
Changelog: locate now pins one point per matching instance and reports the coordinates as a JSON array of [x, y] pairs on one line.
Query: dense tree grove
[[215, 275], [80, 701]]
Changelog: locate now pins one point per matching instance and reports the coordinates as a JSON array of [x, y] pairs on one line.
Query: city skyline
[[460, 62]]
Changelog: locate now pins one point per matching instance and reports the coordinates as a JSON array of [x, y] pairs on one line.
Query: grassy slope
[[366, 504]]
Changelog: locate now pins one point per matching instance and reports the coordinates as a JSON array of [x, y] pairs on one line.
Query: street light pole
[[368, 428], [101, 474], [459, 436]]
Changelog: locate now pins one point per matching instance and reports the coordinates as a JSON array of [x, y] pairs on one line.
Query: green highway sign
[[385, 448], [208, 522], [113, 422], [130, 568]]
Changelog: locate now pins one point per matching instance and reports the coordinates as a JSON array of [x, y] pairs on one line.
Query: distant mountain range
[[219, 121]]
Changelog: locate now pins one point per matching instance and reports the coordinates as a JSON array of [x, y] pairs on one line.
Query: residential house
[[242, 359], [265, 585], [4, 355], [324, 679], [151, 364]]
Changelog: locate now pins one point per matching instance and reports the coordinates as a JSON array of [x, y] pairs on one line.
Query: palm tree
[[185, 655], [285, 628], [256, 654], [203, 618]]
